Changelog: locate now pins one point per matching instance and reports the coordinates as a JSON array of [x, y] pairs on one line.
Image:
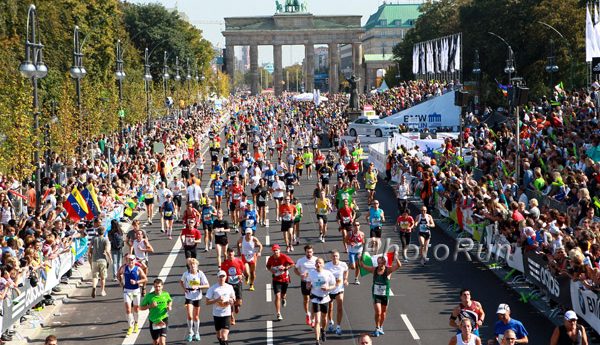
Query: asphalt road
[[418, 312]]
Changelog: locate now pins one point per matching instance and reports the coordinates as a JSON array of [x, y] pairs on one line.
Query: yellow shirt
[[370, 180], [323, 206]]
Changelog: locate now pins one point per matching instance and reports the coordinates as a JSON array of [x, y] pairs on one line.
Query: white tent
[[308, 97]]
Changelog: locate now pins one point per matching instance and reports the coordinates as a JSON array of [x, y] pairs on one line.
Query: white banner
[[437, 112], [586, 304]]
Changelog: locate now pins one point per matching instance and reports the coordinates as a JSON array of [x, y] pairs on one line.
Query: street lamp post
[[52, 121], [165, 77], [188, 78], [197, 79], [569, 47], [77, 72], [34, 68], [177, 80], [147, 80], [120, 75], [551, 66], [477, 73]]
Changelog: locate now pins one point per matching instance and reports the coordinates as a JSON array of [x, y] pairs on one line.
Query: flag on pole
[[559, 87], [589, 35]]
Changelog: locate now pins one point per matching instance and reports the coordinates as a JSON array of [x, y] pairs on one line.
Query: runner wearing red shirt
[[190, 237], [191, 213], [235, 269], [287, 212], [405, 224], [235, 196], [352, 170], [345, 218], [279, 264]]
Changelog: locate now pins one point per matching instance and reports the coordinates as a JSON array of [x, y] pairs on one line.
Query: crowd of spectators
[[541, 191], [117, 172]]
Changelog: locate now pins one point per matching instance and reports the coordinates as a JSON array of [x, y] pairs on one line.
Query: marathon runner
[[131, 277], [261, 202], [221, 228], [370, 182], [297, 219], [339, 269], [425, 223], [177, 187], [192, 282], [469, 309], [190, 237], [381, 289], [159, 303], [287, 211], [222, 297], [376, 218], [355, 241], [279, 264], [218, 189], [303, 266], [236, 270], [405, 224], [209, 212], [322, 209], [168, 209], [250, 249], [320, 282], [345, 218], [140, 247]]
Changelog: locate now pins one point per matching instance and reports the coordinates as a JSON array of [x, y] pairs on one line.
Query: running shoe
[[189, 338], [376, 333], [279, 317], [330, 326], [129, 331], [170, 237], [308, 322], [356, 281], [251, 287], [103, 293], [381, 331], [162, 230], [338, 331], [197, 337], [135, 328]]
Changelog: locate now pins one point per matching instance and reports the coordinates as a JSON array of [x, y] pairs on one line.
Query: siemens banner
[[434, 113]]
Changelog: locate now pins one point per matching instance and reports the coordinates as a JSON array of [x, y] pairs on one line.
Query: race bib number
[[237, 196], [194, 283], [291, 187], [160, 325], [423, 228], [250, 222], [326, 175], [322, 211], [376, 222], [249, 257], [149, 195], [379, 290], [207, 217], [168, 213], [346, 220], [287, 217], [345, 196], [189, 241]]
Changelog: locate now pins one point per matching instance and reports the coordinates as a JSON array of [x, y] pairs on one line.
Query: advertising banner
[[538, 273], [586, 304], [437, 112]]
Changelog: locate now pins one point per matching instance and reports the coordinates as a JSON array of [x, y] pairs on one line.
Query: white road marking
[[269, 293], [269, 332], [164, 273], [410, 327], [267, 240]]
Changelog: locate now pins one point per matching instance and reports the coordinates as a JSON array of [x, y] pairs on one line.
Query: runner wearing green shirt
[[159, 303], [297, 220], [345, 193], [308, 161], [357, 153]]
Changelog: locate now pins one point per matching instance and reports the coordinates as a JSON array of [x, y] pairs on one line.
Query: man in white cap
[[570, 332], [504, 323], [222, 297]]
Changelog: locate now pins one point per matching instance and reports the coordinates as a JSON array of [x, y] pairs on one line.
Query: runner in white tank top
[[466, 337], [250, 249]]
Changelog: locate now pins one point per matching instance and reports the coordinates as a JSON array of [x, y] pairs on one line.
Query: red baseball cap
[[275, 247]]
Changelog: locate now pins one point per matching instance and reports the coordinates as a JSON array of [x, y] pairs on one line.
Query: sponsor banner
[[15, 306], [586, 304], [435, 113], [538, 273]]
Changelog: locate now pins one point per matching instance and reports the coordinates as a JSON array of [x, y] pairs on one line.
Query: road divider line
[[269, 332], [410, 327], [268, 293], [267, 240]]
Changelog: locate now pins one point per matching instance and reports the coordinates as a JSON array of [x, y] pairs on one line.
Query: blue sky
[[203, 14]]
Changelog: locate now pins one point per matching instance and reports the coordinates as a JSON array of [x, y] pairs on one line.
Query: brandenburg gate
[[294, 26]]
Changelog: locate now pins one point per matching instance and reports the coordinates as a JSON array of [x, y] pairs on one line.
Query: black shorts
[[279, 287], [195, 303], [232, 206], [375, 232], [324, 181], [383, 300], [347, 227], [351, 176], [333, 296], [185, 174], [322, 216], [190, 252], [149, 201], [404, 238], [207, 226], [222, 322], [261, 204], [286, 225], [237, 288], [304, 289], [278, 198], [425, 235], [225, 159], [318, 307], [177, 200], [214, 158], [157, 333], [222, 240]]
